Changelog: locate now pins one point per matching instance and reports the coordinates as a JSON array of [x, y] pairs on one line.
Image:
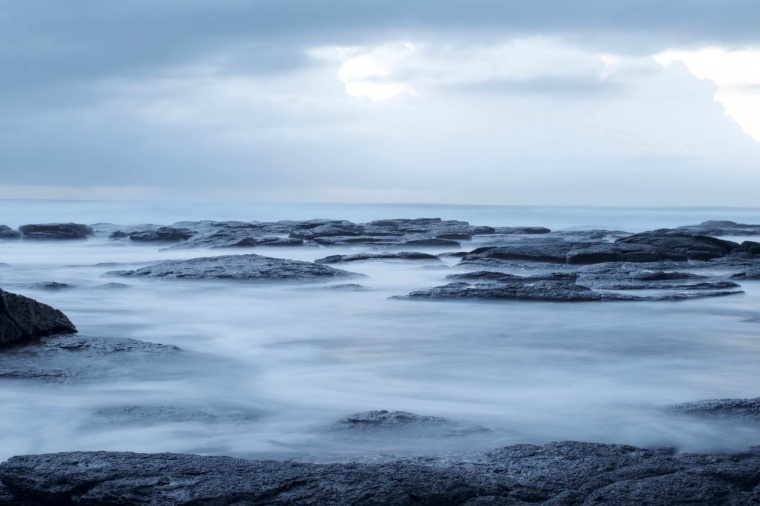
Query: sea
[[267, 369]]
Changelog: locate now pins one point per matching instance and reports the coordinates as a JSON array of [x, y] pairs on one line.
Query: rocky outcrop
[[22, 318], [240, 267], [556, 473], [58, 231], [383, 257], [156, 415], [69, 357], [7, 232], [681, 246]]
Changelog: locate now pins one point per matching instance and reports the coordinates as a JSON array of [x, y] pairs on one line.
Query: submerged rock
[[349, 287], [403, 423], [22, 318], [368, 257], [67, 357], [721, 227], [727, 409], [563, 287], [60, 231], [556, 473], [152, 415], [241, 267]]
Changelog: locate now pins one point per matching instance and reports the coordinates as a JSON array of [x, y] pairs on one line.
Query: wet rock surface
[[369, 257], [7, 232], [556, 473], [153, 415], [58, 231], [240, 267], [22, 319], [725, 409], [721, 227], [75, 357], [402, 424]]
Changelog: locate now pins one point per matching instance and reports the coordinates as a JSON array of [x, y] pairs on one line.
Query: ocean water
[[268, 368]]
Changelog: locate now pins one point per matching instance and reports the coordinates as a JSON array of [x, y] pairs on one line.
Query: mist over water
[[274, 365]]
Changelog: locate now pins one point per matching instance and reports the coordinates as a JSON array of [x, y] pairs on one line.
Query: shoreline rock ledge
[[566, 473], [22, 319]]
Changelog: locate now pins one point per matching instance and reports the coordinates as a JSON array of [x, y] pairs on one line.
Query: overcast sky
[[584, 102]]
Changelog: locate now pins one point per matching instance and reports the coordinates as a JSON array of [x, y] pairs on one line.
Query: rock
[[750, 274], [161, 234], [720, 227], [556, 473], [403, 422], [521, 230], [614, 252], [631, 276], [751, 247], [555, 287], [152, 415], [7, 232], [349, 287], [729, 409], [43, 285], [242, 267], [367, 257], [72, 357], [534, 251], [22, 318], [500, 277], [59, 231], [432, 242], [681, 246]]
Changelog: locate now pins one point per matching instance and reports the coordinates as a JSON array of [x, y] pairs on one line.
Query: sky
[[541, 102]]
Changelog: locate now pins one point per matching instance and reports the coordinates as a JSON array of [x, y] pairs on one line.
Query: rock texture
[[60, 231], [7, 232], [566, 473], [72, 357], [240, 267], [726, 409], [369, 257], [403, 423], [721, 227], [22, 318]]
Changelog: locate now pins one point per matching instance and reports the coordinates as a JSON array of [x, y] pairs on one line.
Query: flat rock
[[721, 227], [22, 318], [403, 423], [750, 274], [58, 231], [154, 415], [349, 287], [727, 409], [161, 234], [549, 291], [681, 246], [69, 357], [240, 267], [557, 473], [371, 257]]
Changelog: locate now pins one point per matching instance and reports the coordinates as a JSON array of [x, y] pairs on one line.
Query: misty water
[[277, 364]]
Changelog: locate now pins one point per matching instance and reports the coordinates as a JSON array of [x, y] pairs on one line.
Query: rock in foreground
[[22, 318], [241, 267], [557, 473]]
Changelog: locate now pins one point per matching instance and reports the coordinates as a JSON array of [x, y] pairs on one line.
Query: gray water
[[289, 360]]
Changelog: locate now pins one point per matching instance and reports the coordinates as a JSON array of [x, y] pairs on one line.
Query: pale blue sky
[[483, 101]]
